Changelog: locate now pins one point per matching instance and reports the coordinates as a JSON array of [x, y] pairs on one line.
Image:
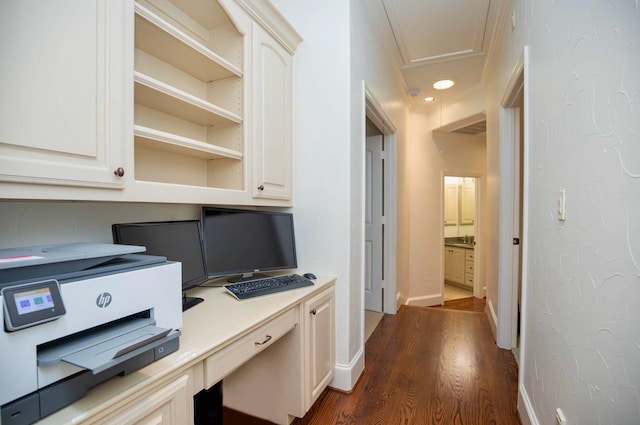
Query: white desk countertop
[[206, 328]]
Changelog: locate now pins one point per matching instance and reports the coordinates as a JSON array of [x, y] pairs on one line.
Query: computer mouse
[[310, 276]]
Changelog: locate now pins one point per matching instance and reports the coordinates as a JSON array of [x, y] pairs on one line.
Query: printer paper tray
[[106, 347]]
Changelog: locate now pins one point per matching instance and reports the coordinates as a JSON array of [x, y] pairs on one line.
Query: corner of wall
[[493, 319], [346, 376]]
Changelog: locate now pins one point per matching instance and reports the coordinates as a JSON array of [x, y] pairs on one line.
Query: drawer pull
[[267, 339]]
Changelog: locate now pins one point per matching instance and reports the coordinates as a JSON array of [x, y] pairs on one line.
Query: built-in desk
[[286, 339]]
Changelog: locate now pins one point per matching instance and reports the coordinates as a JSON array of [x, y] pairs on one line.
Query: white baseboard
[[493, 319], [426, 301], [345, 376], [400, 300], [525, 409]]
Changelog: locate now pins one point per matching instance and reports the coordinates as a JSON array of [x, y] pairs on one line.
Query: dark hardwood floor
[[465, 304], [426, 366]]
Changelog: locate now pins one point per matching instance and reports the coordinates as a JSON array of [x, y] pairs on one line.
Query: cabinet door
[[169, 405], [320, 345], [454, 264], [61, 108], [271, 136], [467, 204], [450, 204]]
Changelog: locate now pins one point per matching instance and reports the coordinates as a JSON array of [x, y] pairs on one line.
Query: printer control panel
[[31, 304]]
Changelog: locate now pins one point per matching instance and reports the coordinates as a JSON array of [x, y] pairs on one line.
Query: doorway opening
[[459, 236], [379, 214], [513, 220]]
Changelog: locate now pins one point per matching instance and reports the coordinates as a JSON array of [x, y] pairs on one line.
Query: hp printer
[[75, 315]]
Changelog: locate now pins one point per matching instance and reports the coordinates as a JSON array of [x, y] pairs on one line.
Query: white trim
[[479, 285], [525, 235], [346, 376], [464, 122], [377, 115], [506, 326], [390, 263], [491, 315], [425, 301], [505, 231], [525, 406]]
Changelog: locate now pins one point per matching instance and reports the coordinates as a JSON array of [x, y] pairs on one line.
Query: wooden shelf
[[162, 97], [166, 42], [183, 145]]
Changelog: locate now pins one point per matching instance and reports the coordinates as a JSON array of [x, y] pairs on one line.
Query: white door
[[374, 224]]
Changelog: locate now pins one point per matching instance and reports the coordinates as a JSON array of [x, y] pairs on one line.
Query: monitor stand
[[246, 276], [188, 302]]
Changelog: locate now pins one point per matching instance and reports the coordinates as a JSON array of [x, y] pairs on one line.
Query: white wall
[[340, 50], [41, 223], [322, 202], [581, 349]]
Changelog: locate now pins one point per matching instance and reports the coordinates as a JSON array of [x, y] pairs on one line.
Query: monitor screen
[[247, 241], [176, 240]]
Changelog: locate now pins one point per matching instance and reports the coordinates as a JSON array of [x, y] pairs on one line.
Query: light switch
[[562, 205]]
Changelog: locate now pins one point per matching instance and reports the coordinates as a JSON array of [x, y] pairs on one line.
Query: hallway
[[446, 370]]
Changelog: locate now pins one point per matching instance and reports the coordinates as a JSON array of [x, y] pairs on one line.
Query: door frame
[[508, 257], [479, 286], [374, 222], [375, 113]]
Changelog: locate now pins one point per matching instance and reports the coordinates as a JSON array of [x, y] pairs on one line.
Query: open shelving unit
[[188, 95]]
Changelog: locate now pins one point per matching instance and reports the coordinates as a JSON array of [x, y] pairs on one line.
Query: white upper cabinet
[[62, 95], [467, 203], [190, 99], [450, 204], [271, 117]]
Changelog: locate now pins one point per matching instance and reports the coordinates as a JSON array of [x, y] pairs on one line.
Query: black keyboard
[[269, 285]]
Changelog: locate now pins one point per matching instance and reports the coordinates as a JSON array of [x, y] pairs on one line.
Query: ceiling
[[442, 39]]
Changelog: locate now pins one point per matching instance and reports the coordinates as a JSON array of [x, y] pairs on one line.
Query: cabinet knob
[[119, 172], [313, 312], [261, 187]]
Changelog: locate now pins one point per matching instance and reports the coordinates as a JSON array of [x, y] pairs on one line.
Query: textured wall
[[581, 343]]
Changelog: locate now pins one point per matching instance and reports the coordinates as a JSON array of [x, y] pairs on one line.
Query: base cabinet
[[171, 404], [454, 264], [319, 345], [459, 266]]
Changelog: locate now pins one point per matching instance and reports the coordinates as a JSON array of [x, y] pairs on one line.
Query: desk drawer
[[220, 364]]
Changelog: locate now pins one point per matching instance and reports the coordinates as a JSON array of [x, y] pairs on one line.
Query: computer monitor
[[177, 241], [247, 241]]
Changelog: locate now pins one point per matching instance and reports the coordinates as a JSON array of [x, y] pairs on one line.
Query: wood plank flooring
[[464, 304], [427, 366], [424, 366]]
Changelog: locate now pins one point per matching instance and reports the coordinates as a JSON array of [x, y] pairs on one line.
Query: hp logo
[[103, 300]]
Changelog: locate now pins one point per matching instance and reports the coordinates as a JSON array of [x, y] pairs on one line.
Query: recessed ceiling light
[[443, 84], [429, 99]]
